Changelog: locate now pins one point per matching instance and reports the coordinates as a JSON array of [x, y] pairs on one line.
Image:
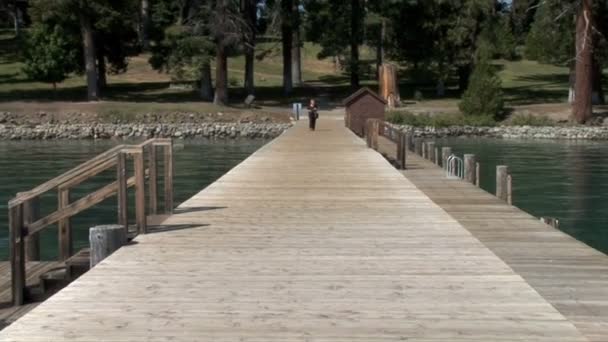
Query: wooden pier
[[570, 275], [315, 237]]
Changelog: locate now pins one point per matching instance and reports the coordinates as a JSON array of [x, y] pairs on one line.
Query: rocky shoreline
[[147, 130], [512, 132]]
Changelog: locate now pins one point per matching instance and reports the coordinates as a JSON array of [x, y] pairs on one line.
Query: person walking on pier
[[313, 114]]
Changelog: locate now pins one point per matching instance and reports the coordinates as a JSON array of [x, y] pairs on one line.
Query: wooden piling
[[502, 172], [436, 161], [477, 174], [446, 152], [430, 153], [469, 168], [104, 240], [418, 146]]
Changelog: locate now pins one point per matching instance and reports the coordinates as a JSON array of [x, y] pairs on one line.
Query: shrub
[[530, 120], [483, 96], [437, 120]]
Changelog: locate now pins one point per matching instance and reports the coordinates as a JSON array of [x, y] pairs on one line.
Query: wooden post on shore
[[430, 153], [469, 168], [104, 240], [502, 183], [31, 213], [446, 152], [477, 174]]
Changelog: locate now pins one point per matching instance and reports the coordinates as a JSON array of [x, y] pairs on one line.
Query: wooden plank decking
[[312, 238], [570, 275]]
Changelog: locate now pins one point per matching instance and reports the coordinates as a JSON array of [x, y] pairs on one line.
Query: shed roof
[[365, 90]]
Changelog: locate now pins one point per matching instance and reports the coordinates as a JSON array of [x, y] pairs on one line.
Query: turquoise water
[[565, 180], [25, 165]]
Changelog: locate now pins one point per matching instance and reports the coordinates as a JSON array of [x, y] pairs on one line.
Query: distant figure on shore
[[313, 114]]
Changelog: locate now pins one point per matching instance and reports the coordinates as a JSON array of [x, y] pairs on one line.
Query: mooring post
[[410, 141], [477, 174], [418, 146], [446, 152], [152, 180], [469, 168], [502, 172], [104, 240], [436, 161], [424, 149], [376, 133], [430, 154]]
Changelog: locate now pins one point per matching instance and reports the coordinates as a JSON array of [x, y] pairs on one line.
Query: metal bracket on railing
[[454, 167]]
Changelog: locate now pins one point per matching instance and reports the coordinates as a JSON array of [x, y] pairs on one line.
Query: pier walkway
[[313, 238]]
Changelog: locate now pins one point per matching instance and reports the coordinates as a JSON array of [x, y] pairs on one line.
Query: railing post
[[436, 161], [368, 133], [502, 173], [122, 194], [31, 213], [64, 226], [152, 179], [469, 168], [424, 150], [168, 178], [16, 236], [477, 174], [430, 153], [140, 190], [446, 152], [510, 189], [410, 141]]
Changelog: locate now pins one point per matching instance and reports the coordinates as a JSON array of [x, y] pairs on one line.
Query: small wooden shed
[[360, 106]]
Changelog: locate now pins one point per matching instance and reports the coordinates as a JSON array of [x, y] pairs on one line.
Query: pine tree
[[483, 96]]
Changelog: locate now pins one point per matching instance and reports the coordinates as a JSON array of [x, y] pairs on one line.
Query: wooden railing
[[25, 224], [375, 128]]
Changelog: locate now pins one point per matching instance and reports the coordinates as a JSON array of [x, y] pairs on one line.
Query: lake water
[[561, 179], [24, 165]]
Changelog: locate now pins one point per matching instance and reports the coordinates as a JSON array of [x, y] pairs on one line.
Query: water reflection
[[26, 164], [566, 180]]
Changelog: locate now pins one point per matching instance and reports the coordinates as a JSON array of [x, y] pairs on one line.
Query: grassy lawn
[[141, 89]]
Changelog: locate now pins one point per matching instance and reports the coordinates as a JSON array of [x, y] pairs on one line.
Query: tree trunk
[[296, 56], [16, 24], [221, 76], [102, 81], [582, 109], [206, 85], [251, 19], [144, 24], [598, 90], [287, 38], [464, 73], [89, 57], [380, 48], [355, 36]]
